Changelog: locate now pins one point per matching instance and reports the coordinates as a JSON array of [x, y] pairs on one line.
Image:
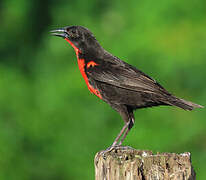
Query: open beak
[[59, 32]]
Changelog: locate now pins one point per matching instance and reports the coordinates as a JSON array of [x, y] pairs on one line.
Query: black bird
[[121, 85]]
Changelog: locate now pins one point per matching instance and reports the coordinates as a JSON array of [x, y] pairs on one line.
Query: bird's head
[[80, 38]]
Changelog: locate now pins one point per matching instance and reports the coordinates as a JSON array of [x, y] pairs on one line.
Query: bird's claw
[[109, 149]]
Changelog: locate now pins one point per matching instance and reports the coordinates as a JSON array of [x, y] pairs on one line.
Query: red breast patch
[[81, 64], [91, 64]]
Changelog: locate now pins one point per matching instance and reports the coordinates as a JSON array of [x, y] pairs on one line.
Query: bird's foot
[[115, 148], [109, 149]]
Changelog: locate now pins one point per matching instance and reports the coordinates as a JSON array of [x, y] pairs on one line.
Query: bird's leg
[[120, 134], [127, 125], [114, 144], [128, 118], [130, 125]]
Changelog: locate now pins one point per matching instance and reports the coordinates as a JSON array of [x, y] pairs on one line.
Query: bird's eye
[[73, 33]]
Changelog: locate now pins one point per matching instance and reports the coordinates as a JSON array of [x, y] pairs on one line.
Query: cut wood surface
[[126, 163]]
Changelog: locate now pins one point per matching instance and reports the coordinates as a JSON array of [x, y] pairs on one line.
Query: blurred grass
[[51, 126]]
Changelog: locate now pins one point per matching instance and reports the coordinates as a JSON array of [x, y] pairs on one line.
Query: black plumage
[[121, 85]]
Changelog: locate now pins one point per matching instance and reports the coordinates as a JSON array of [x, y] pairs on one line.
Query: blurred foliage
[[51, 126]]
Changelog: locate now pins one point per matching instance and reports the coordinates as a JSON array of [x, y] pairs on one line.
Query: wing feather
[[125, 76]]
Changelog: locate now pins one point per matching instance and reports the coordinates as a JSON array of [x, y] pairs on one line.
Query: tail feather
[[186, 105]]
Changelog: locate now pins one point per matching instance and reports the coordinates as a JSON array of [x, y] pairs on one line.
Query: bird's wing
[[125, 76]]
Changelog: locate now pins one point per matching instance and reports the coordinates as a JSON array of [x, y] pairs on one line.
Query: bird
[[121, 85]]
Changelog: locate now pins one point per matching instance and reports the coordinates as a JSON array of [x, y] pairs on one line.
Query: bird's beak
[[59, 32]]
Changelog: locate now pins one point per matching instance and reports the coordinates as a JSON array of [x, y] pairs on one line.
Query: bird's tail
[[186, 105]]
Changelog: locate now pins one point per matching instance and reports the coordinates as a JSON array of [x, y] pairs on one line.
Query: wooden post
[[126, 163]]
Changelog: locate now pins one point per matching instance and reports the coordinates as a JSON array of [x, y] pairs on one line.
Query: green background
[[51, 126]]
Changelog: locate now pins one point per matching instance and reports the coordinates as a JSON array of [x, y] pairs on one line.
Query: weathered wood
[[126, 163]]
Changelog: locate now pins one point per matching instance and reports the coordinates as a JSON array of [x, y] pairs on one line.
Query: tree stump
[[126, 163]]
